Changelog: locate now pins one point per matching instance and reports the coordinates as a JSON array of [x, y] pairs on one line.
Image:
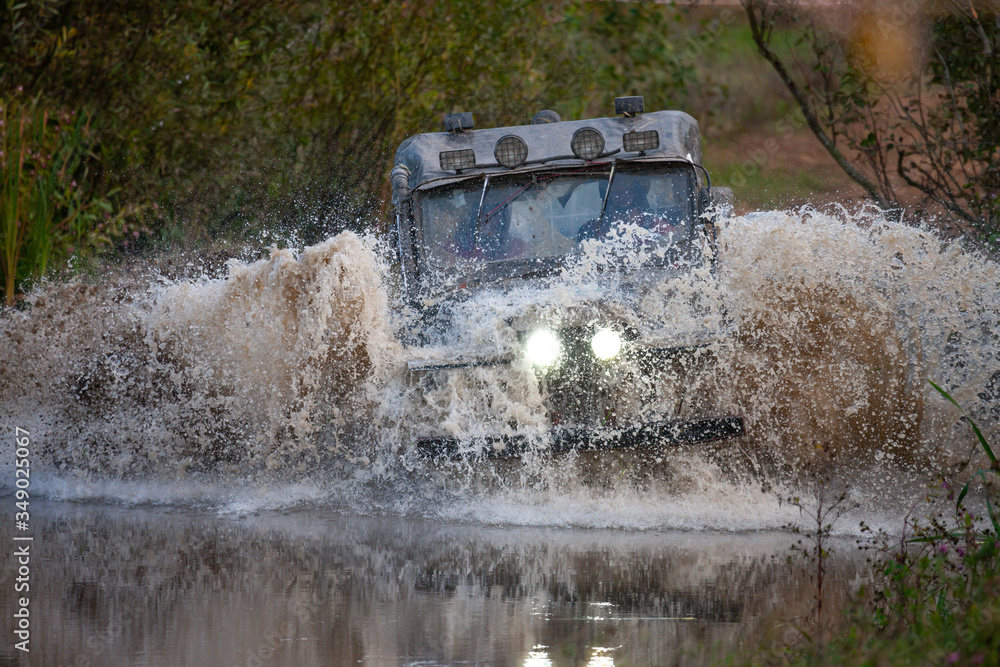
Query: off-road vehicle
[[561, 275]]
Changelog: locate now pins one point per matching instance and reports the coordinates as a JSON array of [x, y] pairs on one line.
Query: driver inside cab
[[628, 203]]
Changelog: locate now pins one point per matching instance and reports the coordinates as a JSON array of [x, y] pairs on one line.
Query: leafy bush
[[224, 111], [222, 120]]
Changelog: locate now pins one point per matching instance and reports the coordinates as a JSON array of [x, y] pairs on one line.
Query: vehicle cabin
[[475, 207]]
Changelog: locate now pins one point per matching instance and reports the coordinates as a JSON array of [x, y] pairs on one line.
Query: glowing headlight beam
[[606, 344], [542, 348]]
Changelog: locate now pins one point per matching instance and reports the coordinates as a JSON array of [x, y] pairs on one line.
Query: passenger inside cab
[[658, 201]]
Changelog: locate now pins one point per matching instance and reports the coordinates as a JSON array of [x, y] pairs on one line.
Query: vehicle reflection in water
[[133, 586]]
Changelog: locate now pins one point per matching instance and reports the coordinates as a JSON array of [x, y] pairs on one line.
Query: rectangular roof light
[[639, 142], [458, 160]]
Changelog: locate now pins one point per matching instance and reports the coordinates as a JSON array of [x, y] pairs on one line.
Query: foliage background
[[128, 129], [228, 125], [215, 120]]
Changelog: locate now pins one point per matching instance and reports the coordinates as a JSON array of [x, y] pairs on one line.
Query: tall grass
[[982, 472], [44, 213]]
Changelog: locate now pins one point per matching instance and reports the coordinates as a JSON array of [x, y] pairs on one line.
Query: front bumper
[[564, 439]]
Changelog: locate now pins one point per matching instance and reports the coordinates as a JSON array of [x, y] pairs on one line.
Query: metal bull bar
[[565, 439]]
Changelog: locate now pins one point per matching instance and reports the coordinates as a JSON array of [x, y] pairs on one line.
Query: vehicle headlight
[[542, 348], [606, 344]]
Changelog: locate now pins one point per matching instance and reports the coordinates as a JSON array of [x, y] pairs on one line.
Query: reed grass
[[44, 213], [982, 472]]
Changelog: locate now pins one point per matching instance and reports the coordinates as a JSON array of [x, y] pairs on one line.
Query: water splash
[[843, 320], [284, 382], [241, 371]]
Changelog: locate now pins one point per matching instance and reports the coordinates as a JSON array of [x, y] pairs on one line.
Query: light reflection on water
[[538, 657], [153, 586], [601, 657]]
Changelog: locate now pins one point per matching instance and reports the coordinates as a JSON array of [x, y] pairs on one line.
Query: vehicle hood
[[660, 307]]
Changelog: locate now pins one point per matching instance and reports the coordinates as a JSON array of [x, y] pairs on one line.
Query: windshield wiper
[[537, 179], [607, 193], [505, 203]]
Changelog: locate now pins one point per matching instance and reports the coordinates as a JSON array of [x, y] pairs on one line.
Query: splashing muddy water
[[285, 382]]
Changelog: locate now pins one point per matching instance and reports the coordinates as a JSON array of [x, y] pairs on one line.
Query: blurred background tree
[[212, 121], [904, 97], [230, 125]]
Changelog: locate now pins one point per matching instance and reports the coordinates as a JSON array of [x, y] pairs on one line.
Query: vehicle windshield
[[549, 214]]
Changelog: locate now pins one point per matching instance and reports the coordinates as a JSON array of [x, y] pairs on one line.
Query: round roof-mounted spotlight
[[587, 144], [511, 151]]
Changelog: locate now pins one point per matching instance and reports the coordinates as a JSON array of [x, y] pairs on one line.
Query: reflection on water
[[127, 586]]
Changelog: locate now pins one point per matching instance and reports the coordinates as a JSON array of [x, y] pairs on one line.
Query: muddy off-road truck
[[559, 273]]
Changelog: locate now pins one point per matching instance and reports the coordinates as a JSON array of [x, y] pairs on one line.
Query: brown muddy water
[[223, 468], [113, 585]]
